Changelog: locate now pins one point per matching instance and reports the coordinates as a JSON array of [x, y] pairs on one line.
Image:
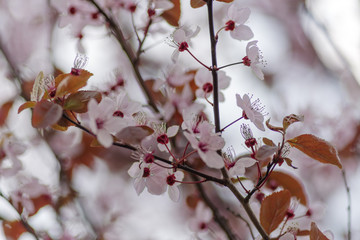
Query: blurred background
[[312, 54]]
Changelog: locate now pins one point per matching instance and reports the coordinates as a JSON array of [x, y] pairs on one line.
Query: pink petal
[[174, 193], [242, 32]]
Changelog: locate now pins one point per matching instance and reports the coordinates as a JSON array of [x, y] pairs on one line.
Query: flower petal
[[242, 32]]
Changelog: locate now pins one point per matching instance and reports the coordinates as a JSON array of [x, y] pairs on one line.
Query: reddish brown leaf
[[268, 142], [316, 148], [226, 1], [4, 111], [77, 102], [46, 114], [69, 83], [172, 16], [316, 234], [197, 3], [272, 127], [41, 201], [273, 210], [290, 183], [26, 105], [292, 118], [134, 134], [13, 230]]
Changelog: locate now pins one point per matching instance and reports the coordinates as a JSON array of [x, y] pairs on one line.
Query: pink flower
[[101, 120], [253, 58], [207, 146], [237, 17], [252, 110], [162, 135], [173, 184], [181, 38], [237, 168], [124, 107], [11, 148], [202, 218], [204, 80], [151, 176], [28, 189]]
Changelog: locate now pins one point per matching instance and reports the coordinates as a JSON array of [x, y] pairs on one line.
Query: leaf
[[26, 105], [226, 1], [4, 111], [13, 230], [290, 183], [197, 3], [172, 16], [78, 101], [70, 83], [268, 142], [273, 128], [46, 114], [316, 148], [134, 134], [316, 234], [292, 118], [41, 201], [273, 210]]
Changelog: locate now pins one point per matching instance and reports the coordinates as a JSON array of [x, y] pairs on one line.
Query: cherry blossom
[[151, 176], [181, 38], [237, 17], [202, 218], [162, 135], [173, 184], [253, 59], [251, 110], [238, 167], [203, 79], [101, 120], [124, 107], [28, 188], [10, 148], [207, 146]]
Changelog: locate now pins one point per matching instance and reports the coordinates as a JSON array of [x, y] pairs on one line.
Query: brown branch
[[118, 34]]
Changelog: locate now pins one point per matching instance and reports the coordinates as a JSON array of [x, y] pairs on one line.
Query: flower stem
[[229, 65], [118, 34], [221, 130], [208, 68]]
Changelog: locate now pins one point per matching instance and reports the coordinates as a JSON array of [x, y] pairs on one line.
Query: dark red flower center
[[146, 172], [151, 12], [203, 147], [75, 71], [171, 179], [149, 158], [207, 87], [99, 123], [250, 142], [229, 25], [246, 61], [163, 139], [118, 114], [183, 46], [72, 10]]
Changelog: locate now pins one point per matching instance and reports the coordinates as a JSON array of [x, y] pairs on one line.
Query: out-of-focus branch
[[347, 188], [118, 34], [219, 219], [23, 221]]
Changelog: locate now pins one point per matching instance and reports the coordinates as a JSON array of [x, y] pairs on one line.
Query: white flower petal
[[242, 32], [172, 131], [174, 193]]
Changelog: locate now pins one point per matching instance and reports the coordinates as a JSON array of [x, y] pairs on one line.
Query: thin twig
[[23, 221], [349, 204], [118, 34], [219, 219], [242, 218], [183, 167]]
